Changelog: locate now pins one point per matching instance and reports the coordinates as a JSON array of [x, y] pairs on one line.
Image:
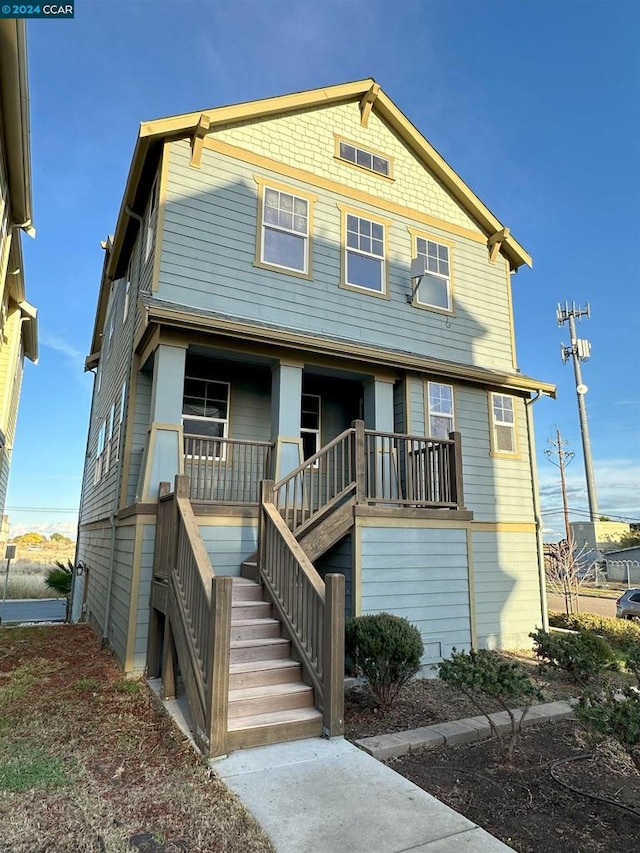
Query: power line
[[41, 509]]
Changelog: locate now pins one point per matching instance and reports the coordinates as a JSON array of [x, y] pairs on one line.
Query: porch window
[[285, 230], [440, 409], [205, 417], [310, 425], [434, 290], [364, 254], [503, 419]]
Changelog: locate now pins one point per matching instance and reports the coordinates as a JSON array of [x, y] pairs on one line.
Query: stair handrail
[[204, 602], [316, 485], [311, 610]]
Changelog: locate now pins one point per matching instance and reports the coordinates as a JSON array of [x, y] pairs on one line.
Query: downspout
[[536, 510]]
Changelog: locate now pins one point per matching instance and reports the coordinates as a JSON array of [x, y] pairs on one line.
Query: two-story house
[[18, 325], [305, 316]]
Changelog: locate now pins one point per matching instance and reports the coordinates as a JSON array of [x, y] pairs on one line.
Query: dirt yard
[[90, 763]]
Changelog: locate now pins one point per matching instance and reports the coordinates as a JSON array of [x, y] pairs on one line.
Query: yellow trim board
[[503, 526]]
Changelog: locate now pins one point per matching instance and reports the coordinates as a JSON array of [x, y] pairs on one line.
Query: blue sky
[[535, 103]]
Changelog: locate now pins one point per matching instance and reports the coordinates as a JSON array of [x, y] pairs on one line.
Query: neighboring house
[[258, 321], [18, 327]]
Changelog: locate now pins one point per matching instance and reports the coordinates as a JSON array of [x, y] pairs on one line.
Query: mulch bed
[[522, 804]]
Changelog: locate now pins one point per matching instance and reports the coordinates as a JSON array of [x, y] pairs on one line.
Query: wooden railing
[[321, 482], [311, 610], [198, 619], [409, 470], [226, 470], [376, 467]]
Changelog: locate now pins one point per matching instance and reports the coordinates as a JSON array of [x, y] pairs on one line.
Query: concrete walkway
[[320, 796]]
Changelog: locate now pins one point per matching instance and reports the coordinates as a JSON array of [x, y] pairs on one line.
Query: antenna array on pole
[[580, 350]]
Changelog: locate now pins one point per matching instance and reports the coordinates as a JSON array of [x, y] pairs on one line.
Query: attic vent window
[[365, 159]]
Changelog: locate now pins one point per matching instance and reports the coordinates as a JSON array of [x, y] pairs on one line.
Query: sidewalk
[[320, 796]]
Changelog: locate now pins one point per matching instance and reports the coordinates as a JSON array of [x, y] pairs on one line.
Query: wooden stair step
[[246, 590], [250, 610], [247, 629], [261, 672], [259, 649], [263, 729], [252, 701]]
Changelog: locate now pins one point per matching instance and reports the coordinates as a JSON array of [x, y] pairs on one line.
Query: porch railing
[[375, 467], [311, 610], [226, 470]]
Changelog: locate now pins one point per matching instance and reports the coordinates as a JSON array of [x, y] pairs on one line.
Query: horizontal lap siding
[[140, 433], [507, 588], [229, 545], [94, 549], [421, 574], [144, 596], [207, 260], [495, 488], [338, 560], [121, 591]]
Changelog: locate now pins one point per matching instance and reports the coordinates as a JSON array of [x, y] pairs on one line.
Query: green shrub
[[481, 674], [584, 656], [619, 632], [385, 649], [632, 660], [616, 716]]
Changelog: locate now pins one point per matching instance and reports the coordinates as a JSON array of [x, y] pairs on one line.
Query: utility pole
[[564, 457], [580, 350]]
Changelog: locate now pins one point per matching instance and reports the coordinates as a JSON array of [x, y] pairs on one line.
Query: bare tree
[[567, 569]]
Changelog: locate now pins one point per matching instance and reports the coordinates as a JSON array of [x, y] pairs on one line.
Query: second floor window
[[434, 290], [285, 230], [440, 409], [364, 254], [503, 424]]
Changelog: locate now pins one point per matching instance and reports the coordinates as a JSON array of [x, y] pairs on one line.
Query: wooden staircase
[[268, 701]]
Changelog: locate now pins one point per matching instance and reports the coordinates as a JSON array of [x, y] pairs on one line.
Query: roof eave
[[14, 103]]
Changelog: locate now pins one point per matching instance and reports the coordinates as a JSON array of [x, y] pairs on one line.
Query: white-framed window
[[371, 160], [440, 409], [151, 221], [205, 417], [99, 463], [434, 290], [99, 376], [364, 263], [117, 418], [110, 336], [310, 425], [503, 423], [127, 288], [108, 446], [285, 230]]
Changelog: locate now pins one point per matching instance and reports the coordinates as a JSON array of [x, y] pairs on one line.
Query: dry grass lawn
[[90, 762]]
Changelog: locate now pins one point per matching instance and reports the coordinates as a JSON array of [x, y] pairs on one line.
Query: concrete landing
[[320, 796]]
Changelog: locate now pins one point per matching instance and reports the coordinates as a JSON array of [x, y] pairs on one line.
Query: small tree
[[387, 650], [567, 568], [59, 579], [481, 674], [615, 715], [584, 656]]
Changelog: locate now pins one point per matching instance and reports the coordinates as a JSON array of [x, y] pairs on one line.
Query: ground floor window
[[205, 416], [310, 424]]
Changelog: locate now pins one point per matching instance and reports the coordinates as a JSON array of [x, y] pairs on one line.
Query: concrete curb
[[459, 732]]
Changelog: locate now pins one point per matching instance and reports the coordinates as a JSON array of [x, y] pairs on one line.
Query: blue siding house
[[307, 405]]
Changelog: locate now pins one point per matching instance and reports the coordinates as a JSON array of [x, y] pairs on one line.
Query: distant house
[[306, 405], [18, 327], [594, 537]]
